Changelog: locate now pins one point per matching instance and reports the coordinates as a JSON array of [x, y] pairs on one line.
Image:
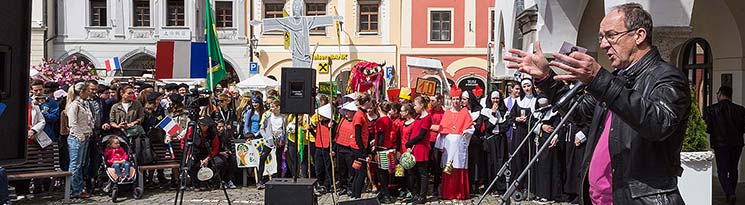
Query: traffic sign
[[323, 67], [389, 72], [253, 68]]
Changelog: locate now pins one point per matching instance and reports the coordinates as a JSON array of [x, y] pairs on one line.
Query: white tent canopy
[[257, 82]]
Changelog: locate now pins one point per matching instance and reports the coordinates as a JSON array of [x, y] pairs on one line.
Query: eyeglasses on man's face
[[613, 36]]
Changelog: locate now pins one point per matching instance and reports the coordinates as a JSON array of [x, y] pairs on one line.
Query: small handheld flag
[[112, 64], [168, 125], [170, 150]]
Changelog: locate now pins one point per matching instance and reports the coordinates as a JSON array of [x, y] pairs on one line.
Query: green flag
[[216, 71]]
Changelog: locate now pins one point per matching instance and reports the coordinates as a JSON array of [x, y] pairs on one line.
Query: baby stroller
[[111, 173]]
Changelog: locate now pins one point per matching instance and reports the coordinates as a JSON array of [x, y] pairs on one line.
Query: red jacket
[[112, 155]]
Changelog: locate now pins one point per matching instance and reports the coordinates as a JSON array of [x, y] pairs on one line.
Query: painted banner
[[247, 155]]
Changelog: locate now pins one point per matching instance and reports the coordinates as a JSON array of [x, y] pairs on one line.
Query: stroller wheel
[[137, 193], [113, 194]]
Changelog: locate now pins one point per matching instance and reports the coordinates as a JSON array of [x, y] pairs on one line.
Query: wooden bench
[[164, 161], [41, 163]]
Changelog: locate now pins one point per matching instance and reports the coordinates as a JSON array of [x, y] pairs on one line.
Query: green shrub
[[695, 137]]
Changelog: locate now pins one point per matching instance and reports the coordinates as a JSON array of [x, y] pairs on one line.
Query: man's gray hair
[[635, 17]]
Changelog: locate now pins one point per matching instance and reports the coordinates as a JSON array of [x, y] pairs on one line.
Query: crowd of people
[[417, 148]]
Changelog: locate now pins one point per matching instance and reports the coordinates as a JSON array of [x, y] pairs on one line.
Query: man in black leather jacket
[[638, 112], [725, 121]]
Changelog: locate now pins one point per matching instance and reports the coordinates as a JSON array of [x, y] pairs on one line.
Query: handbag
[[135, 131]]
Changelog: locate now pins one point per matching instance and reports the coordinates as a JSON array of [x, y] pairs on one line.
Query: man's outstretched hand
[[580, 66], [534, 64]]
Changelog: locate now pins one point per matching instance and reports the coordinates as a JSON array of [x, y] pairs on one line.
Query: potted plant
[[696, 160]]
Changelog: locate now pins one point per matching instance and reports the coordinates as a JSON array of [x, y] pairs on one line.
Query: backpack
[[144, 151]]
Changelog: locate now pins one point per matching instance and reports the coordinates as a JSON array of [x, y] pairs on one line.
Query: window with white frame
[[440, 28], [368, 17], [141, 13], [316, 9], [492, 20], [175, 13], [98, 13], [224, 14], [273, 9]]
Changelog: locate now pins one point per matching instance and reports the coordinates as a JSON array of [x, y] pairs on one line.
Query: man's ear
[[640, 36]]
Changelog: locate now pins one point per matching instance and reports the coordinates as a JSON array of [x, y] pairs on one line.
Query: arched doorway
[[696, 62], [231, 77], [137, 65], [468, 83]]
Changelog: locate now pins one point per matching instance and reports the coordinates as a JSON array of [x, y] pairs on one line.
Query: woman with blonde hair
[[80, 122]]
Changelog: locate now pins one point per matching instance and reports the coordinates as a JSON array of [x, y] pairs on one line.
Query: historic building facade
[[94, 30], [369, 32], [455, 32]]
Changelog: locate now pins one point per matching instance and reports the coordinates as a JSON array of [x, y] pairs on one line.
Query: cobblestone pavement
[[242, 195]]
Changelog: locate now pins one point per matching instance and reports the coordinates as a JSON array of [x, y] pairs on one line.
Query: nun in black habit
[[521, 120]]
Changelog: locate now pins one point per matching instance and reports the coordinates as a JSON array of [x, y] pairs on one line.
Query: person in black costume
[[522, 122]]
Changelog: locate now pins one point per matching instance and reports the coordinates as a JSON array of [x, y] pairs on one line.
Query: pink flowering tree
[[65, 73]]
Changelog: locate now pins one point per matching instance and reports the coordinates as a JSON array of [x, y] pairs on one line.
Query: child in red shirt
[[117, 158]]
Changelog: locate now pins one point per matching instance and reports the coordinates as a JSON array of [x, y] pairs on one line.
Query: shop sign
[[425, 87], [332, 57], [323, 67], [327, 88]]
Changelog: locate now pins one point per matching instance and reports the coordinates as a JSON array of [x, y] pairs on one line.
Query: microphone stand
[[506, 165], [511, 189]]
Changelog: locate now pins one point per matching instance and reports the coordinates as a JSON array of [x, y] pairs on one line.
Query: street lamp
[[252, 47]]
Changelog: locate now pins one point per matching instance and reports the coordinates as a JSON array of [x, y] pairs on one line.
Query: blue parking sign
[[253, 68], [389, 72]]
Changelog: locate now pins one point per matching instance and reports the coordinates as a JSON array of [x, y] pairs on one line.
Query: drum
[[386, 159]]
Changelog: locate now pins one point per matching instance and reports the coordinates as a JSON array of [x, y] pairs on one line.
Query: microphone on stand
[[576, 89]]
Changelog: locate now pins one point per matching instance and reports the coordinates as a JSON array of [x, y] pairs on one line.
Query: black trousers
[[435, 156], [419, 179], [262, 163], [224, 167], [358, 183], [323, 167], [384, 178], [292, 161], [64, 153], [346, 173], [727, 161]]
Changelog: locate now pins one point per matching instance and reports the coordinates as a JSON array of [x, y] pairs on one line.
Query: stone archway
[[137, 65]]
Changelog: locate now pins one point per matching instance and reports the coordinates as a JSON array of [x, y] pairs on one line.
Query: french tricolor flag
[[112, 64], [181, 59], [168, 125]]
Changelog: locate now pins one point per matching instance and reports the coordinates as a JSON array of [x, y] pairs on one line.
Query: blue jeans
[[119, 167], [78, 151]]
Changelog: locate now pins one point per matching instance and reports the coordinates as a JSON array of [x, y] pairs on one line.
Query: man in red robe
[[456, 128]]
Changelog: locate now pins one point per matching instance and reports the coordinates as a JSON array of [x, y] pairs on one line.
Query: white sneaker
[[231, 185]]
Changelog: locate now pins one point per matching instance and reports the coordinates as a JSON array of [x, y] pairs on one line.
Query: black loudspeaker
[[368, 201], [286, 191], [15, 44], [297, 90]]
